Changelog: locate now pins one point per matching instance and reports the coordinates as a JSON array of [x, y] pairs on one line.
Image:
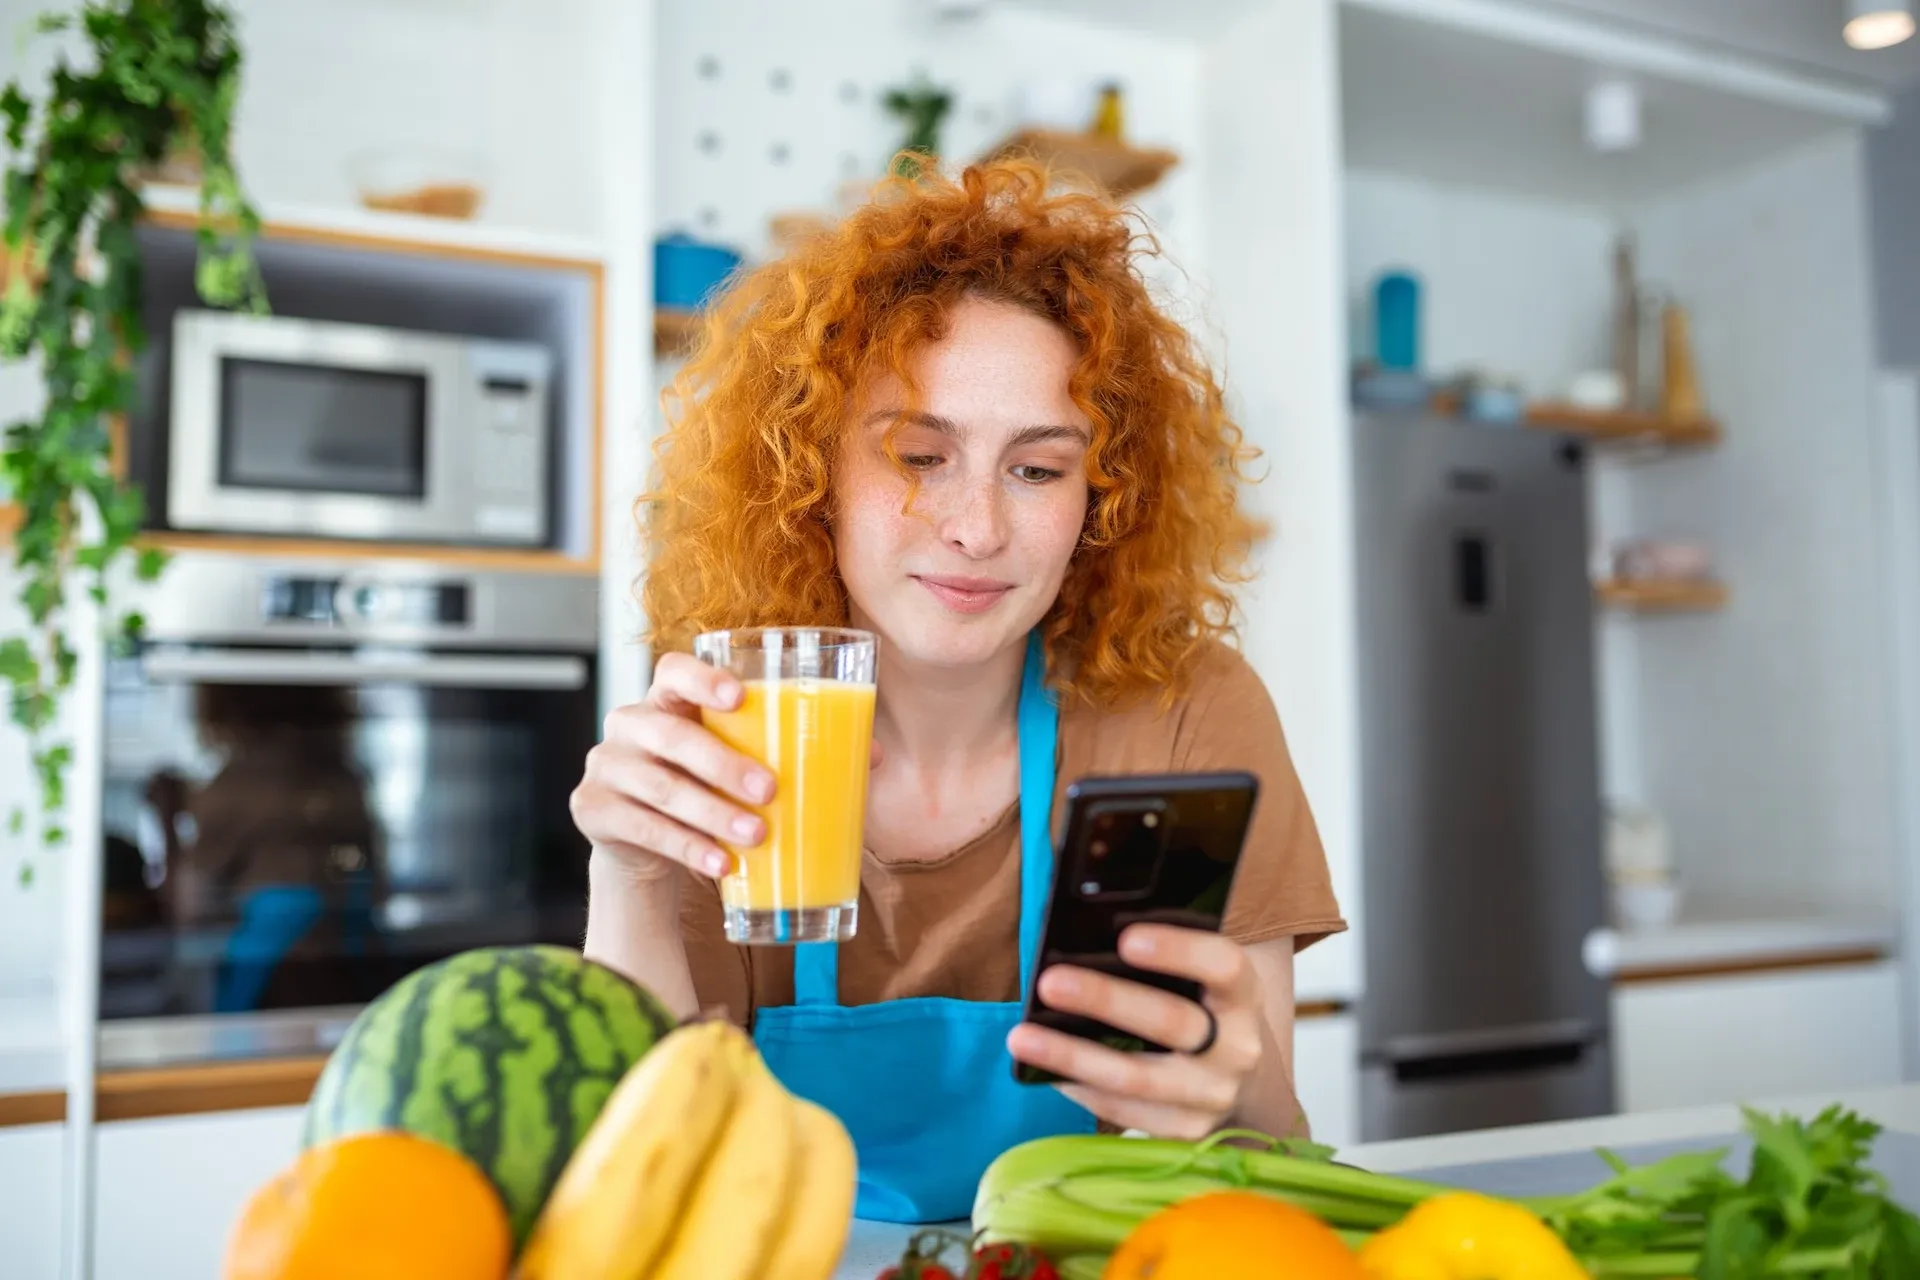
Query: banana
[[740, 1205], [820, 1209], [613, 1212]]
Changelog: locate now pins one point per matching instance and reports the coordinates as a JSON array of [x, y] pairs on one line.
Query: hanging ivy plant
[[157, 92]]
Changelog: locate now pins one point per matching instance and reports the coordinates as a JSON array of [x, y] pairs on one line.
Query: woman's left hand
[[1182, 1094]]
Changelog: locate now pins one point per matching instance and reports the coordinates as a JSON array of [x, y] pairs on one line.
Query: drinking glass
[[808, 716]]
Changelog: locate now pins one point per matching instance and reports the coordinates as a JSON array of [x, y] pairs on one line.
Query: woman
[[959, 421]]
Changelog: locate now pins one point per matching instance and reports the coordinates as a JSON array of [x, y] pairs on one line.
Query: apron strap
[[1039, 736], [816, 973], [816, 965]]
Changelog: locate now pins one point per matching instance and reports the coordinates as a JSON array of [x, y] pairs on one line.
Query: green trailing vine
[[159, 87]]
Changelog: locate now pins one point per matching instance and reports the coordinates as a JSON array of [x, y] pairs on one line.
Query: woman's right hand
[[661, 789]]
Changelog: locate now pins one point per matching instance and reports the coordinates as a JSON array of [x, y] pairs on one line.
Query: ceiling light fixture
[[1878, 24]]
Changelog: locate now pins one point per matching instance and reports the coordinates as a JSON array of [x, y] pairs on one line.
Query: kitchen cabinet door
[[167, 1190], [33, 1163], [1326, 1076], [1757, 1036]]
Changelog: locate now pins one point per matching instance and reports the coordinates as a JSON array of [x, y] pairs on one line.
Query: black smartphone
[[1159, 848]]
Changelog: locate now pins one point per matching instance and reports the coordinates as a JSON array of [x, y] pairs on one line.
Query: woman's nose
[[976, 520]]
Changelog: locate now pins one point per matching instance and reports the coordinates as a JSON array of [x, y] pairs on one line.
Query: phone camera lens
[[1098, 849], [1149, 820]]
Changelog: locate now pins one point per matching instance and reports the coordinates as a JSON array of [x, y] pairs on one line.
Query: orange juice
[[815, 736]]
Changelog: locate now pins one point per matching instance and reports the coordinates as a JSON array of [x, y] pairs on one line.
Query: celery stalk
[[1081, 1266], [1083, 1194], [1662, 1266], [1046, 1159]]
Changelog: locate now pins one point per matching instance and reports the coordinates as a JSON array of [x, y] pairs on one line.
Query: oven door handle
[[447, 670]]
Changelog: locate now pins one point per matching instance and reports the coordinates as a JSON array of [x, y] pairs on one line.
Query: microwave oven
[[321, 429]]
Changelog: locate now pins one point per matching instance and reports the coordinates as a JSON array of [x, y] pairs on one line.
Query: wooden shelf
[[674, 330], [411, 233], [1662, 597], [1623, 427], [504, 558], [1119, 169]]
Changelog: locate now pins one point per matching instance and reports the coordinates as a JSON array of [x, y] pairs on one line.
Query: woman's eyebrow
[[1043, 433], [915, 418], [1047, 434]]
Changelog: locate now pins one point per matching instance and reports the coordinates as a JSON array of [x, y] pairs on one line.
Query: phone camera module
[[1124, 847]]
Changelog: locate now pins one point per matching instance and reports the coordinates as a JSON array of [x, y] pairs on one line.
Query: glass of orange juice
[[808, 716]]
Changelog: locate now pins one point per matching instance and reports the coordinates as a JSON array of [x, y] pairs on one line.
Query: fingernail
[[760, 786], [747, 829], [1064, 984], [729, 693], [1138, 945], [717, 863]]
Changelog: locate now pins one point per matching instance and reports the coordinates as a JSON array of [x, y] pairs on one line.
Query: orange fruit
[[1232, 1235], [373, 1206]]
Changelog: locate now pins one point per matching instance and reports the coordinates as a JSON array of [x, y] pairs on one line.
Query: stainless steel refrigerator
[[1481, 813]]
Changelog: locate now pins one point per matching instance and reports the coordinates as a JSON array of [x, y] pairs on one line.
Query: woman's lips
[[965, 595]]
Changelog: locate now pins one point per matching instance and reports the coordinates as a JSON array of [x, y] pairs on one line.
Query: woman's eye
[[1036, 475], [921, 461]]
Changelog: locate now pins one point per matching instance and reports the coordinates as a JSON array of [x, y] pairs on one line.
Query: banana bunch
[[700, 1167]]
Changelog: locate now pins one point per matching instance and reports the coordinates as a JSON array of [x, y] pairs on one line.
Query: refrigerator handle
[[1536, 1046]]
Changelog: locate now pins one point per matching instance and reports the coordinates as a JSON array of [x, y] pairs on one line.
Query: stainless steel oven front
[[305, 427], [323, 775]]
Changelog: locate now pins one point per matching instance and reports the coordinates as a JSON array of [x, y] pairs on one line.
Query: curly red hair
[[737, 528]]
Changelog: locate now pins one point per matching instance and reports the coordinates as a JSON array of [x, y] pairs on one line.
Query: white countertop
[[1896, 1109], [1707, 939], [874, 1246]]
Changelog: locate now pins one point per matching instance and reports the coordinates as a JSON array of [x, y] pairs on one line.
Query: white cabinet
[[1326, 1076], [1756, 1036], [33, 1162], [167, 1191]]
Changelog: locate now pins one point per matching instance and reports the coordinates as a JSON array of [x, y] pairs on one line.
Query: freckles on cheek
[[869, 527], [1053, 534]]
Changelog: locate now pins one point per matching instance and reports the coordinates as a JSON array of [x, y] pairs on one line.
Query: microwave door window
[[322, 429]]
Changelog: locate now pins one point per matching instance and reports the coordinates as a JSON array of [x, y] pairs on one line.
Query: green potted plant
[[158, 87]]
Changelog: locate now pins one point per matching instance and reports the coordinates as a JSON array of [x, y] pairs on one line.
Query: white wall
[[1766, 728], [1273, 232], [788, 97], [1511, 286], [503, 79]]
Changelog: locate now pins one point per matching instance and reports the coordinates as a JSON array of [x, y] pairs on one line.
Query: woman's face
[[998, 450]]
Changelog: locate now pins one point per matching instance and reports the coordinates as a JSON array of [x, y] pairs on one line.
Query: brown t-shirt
[[948, 927]]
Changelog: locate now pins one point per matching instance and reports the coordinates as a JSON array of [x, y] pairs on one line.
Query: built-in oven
[[321, 776]]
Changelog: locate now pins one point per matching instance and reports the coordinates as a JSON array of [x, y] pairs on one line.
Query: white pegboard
[[766, 107]]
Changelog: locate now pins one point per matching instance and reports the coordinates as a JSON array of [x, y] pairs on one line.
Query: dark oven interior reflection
[[274, 845]]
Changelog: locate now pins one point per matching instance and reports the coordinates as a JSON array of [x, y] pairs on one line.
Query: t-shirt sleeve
[[722, 977], [1282, 888]]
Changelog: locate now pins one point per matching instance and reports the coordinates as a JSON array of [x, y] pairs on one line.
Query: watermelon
[[505, 1054]]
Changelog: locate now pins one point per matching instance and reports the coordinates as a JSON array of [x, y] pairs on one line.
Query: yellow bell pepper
[[1464, 1236]]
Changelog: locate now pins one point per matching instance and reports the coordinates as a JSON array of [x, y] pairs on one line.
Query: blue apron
[[925, 1085]]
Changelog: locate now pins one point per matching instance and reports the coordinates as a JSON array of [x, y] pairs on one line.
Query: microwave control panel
[[511, 446]]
